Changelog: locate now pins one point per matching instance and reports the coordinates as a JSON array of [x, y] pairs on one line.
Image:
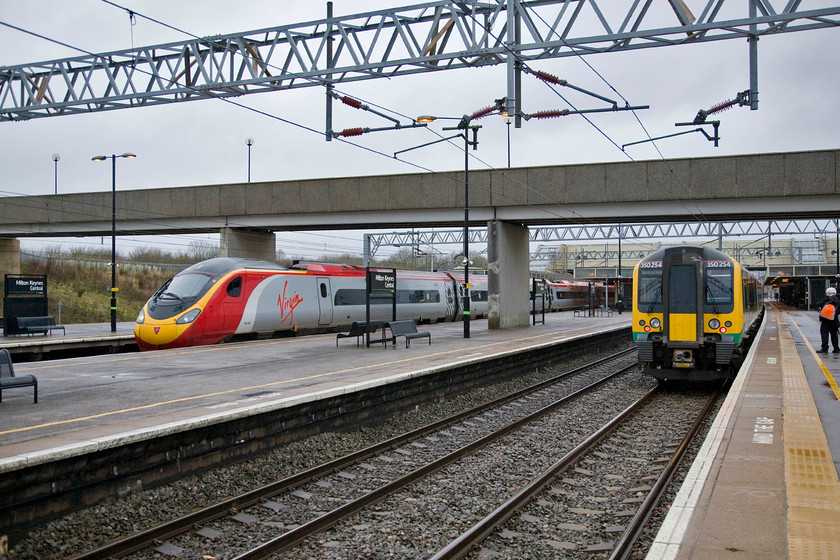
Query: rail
[[159, 533]]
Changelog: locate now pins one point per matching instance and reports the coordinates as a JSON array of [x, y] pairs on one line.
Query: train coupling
[[683, 358]]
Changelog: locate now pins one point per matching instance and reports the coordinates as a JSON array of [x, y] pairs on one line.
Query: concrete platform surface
[[87, 403], [765, 484]]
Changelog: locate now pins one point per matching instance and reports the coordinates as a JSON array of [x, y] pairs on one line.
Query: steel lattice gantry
[[610, 233], [425, 37]]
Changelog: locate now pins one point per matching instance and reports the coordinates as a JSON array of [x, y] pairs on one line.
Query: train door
[[682, 302], [233, 306], [451, 300], [325, 307]]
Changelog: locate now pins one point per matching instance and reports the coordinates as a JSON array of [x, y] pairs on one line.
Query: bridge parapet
[[784, 185]]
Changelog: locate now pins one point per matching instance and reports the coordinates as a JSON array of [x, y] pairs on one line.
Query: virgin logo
[[287, 304]]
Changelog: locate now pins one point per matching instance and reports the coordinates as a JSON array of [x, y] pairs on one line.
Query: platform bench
[[408, 329], [360, 329], [582, 312], [8, 379], [32, 325]]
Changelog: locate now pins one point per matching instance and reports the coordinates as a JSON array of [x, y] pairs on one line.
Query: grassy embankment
[[82, 283]]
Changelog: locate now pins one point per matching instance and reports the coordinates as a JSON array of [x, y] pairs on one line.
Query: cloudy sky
[[204, 142]]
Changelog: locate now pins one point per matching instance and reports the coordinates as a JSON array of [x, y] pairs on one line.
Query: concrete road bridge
[[792, 185]]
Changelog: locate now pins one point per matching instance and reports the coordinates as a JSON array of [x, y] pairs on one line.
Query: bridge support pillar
[[247, 243], [508, 273], [9, 256]]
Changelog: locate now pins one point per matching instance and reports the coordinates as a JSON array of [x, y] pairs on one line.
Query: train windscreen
[[719, 287], [179, 293], [649, 290]]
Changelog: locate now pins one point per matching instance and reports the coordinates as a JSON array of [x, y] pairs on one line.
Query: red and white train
[[225, 298], [564, 295]]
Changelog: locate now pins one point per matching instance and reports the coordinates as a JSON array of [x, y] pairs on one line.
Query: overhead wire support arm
[[715, 124], [565, 112], [741, 99], [358, 131], [551, 79], [715, 138], [429, 144]]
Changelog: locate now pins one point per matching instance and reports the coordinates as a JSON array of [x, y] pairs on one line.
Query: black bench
[[408, 329], [582, 311], [33, 325], [8, 379], [360, 329]]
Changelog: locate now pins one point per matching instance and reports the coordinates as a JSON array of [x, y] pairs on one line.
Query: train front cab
[[686, 322]]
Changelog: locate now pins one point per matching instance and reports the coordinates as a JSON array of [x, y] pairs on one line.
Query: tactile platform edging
[[813, 488]]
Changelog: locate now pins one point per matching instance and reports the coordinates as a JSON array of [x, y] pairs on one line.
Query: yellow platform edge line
[[830, 378], [812, 485]]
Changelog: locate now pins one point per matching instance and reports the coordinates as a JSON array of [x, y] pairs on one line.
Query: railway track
[[289, 512], [610, 517]]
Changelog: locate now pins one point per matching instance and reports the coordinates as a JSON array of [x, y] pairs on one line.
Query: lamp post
[[55, 158], [114, 289], [464, 126], [250, 142]]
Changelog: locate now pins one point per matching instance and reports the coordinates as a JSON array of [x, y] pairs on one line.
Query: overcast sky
[[204, 142]]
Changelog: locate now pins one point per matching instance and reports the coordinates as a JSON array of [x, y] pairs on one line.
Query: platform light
[[464, 127], [55, 158], [114, 288]]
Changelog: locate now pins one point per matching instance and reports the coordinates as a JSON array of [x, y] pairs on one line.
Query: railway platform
[[78, 339], [95, 402], [765, 483], [110, 424]]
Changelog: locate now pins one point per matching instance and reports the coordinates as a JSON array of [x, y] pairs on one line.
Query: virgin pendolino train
[[564, 295], [695, 310], [226, 298]]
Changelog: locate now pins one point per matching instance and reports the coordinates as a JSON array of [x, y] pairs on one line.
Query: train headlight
[[188, 317], [141, 317], [714, 324], [655, 323], [727, 324]]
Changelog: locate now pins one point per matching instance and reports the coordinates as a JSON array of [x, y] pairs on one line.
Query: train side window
[[234, 287], [323, 290]]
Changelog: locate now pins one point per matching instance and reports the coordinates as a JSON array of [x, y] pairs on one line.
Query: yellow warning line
[[812, 485], [830, 378]]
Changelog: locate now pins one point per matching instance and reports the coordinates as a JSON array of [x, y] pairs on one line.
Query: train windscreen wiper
[[657, 298], [711, 298]]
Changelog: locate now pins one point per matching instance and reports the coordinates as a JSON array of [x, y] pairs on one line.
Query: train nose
[[157, 334]]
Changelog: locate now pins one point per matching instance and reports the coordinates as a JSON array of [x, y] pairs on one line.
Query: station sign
[[383, 281], [28, 286]]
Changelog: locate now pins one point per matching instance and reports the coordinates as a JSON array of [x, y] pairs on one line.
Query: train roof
[[329, 268], [567, 283], [707, 253], [223, 265], [333, 269]]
